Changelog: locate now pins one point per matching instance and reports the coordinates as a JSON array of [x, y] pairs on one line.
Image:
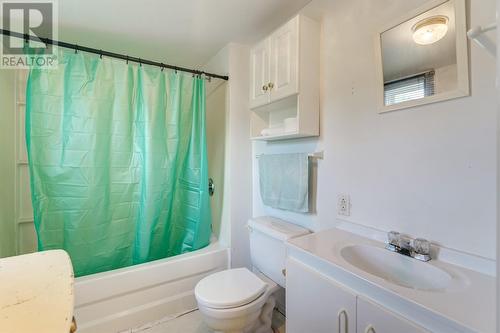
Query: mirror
[[423, 57]]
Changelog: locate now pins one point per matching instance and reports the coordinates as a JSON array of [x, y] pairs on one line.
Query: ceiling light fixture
[[430, 30]]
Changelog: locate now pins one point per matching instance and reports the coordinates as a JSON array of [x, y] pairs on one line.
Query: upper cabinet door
[[285, 60], [373, 318], [259, 85]]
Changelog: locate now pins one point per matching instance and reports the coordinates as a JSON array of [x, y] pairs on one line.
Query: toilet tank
[[267, 245]]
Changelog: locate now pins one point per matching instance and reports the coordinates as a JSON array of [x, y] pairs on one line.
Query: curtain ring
[[76, 48], [162, 66], [126, 60], [100, 55], [140, 62]]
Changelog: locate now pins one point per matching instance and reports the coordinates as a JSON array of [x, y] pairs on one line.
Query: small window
[[409, 88]]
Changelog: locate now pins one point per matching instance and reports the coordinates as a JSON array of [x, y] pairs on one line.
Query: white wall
[[7, 163], [240, 150], [17, 229], [427, 171], [219, 63], [498, 166], [216, 138], [237, 203]]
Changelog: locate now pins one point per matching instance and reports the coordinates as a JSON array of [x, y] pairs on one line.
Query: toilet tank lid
[[277, 228]]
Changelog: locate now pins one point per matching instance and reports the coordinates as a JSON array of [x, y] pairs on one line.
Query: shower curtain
[[118, 161]]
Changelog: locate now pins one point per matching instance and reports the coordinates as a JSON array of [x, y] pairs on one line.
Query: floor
[[191, 322]]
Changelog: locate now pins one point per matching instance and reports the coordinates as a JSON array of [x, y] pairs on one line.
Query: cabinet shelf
[[281, 136]]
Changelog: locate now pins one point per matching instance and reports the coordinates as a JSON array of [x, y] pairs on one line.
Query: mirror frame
[[462, 58]]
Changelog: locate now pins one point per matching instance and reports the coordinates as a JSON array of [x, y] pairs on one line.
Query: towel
[[272, 131], [284, 181]]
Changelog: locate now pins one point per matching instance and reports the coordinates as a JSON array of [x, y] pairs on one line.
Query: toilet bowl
[[238, 300]]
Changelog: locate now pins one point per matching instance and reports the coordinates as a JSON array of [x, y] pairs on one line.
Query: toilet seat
[[229, 289]]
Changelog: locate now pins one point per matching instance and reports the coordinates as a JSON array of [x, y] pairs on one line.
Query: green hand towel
[[284, 181]]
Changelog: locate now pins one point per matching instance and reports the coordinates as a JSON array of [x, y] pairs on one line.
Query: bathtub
[[114, 301]]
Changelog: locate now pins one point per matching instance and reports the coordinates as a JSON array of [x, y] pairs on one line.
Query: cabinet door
[[285, 60], [373, 318], [259, 84], [315, 304]]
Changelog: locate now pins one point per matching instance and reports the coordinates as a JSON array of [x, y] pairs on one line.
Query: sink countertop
[[467, 306]]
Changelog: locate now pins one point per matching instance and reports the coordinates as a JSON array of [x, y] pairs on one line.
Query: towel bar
[[477, 35]]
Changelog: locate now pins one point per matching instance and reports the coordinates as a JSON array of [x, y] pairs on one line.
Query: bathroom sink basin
[[396, 268]]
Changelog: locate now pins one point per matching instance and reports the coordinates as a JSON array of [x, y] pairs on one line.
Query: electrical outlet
[[344, 205]]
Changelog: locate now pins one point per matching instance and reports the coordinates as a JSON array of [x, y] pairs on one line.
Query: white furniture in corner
[[316, 304], [324, 278], [285, 81]]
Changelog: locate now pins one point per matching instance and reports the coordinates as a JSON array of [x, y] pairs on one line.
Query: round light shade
[[430, 30]]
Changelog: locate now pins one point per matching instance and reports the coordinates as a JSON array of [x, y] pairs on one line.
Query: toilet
[[239, 300]]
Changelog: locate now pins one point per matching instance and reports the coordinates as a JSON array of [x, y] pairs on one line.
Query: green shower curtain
[[118, 161]]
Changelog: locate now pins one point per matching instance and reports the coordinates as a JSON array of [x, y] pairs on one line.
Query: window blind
[[410, 88]]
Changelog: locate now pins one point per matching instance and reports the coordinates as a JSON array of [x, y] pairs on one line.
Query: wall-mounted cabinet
[[284, 87]]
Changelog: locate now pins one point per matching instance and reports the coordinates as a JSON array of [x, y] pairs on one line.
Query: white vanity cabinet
[[372, 318], [315, 303], [284, 81]]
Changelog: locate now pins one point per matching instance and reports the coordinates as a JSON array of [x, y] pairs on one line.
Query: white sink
[[396, 268]]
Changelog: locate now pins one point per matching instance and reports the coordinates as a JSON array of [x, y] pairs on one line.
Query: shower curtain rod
[[77, 47]]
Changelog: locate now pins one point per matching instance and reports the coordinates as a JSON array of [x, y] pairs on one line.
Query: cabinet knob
[[264, 87], [270, 85]]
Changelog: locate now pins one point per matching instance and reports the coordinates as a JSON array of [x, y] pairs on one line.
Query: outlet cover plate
[[344, 205]]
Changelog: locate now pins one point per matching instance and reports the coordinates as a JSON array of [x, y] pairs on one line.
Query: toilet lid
[[229, 289]]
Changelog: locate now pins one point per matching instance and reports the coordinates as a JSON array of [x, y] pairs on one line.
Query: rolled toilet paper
[[290, 124]]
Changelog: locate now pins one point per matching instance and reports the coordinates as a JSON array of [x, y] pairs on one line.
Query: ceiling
[[403, 57], [178, 32]]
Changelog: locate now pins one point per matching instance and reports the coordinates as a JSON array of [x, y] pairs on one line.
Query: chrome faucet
[[417, 248]]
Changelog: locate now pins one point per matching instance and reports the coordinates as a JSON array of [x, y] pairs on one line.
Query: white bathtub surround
[[461, 302], [130, 297], [36, 293]]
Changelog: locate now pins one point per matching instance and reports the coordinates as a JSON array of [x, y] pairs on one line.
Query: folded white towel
[[272, 131]]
